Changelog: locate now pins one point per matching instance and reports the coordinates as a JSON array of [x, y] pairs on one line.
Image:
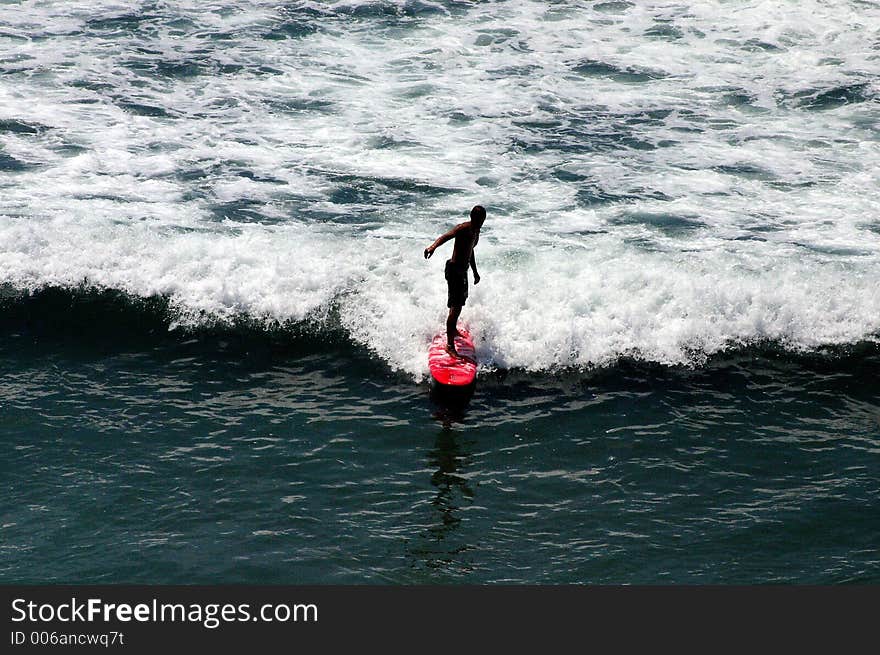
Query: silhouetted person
[[466, 236]]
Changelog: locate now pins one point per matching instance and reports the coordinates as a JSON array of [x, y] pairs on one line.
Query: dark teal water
[[130, 454]]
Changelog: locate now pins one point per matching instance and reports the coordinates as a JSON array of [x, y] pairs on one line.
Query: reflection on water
[[443, 544], [448, 416], [449, 458]]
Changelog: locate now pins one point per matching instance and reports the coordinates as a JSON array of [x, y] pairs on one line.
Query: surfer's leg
[[451, 329], [457, 283]]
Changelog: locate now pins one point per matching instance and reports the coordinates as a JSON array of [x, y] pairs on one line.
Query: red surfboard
[[449, 370]]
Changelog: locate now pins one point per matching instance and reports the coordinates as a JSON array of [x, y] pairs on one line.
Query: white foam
[[740, 216]]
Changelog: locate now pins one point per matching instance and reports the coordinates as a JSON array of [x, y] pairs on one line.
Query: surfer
[[466, 236]]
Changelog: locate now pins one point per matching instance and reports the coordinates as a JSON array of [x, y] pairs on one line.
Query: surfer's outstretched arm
[[443, 238]]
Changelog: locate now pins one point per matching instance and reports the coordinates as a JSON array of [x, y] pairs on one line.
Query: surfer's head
[[478, 214]]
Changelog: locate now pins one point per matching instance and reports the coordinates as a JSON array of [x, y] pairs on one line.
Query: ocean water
[[215, 313]]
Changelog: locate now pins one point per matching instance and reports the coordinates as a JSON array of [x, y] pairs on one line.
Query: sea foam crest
[[663, 180]]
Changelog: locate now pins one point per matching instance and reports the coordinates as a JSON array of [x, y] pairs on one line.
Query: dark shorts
[[456, 280]]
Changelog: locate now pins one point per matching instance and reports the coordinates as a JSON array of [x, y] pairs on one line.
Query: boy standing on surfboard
[[466, 236]]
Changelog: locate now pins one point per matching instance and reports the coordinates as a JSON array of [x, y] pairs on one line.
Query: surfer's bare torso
[[466, 237]]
